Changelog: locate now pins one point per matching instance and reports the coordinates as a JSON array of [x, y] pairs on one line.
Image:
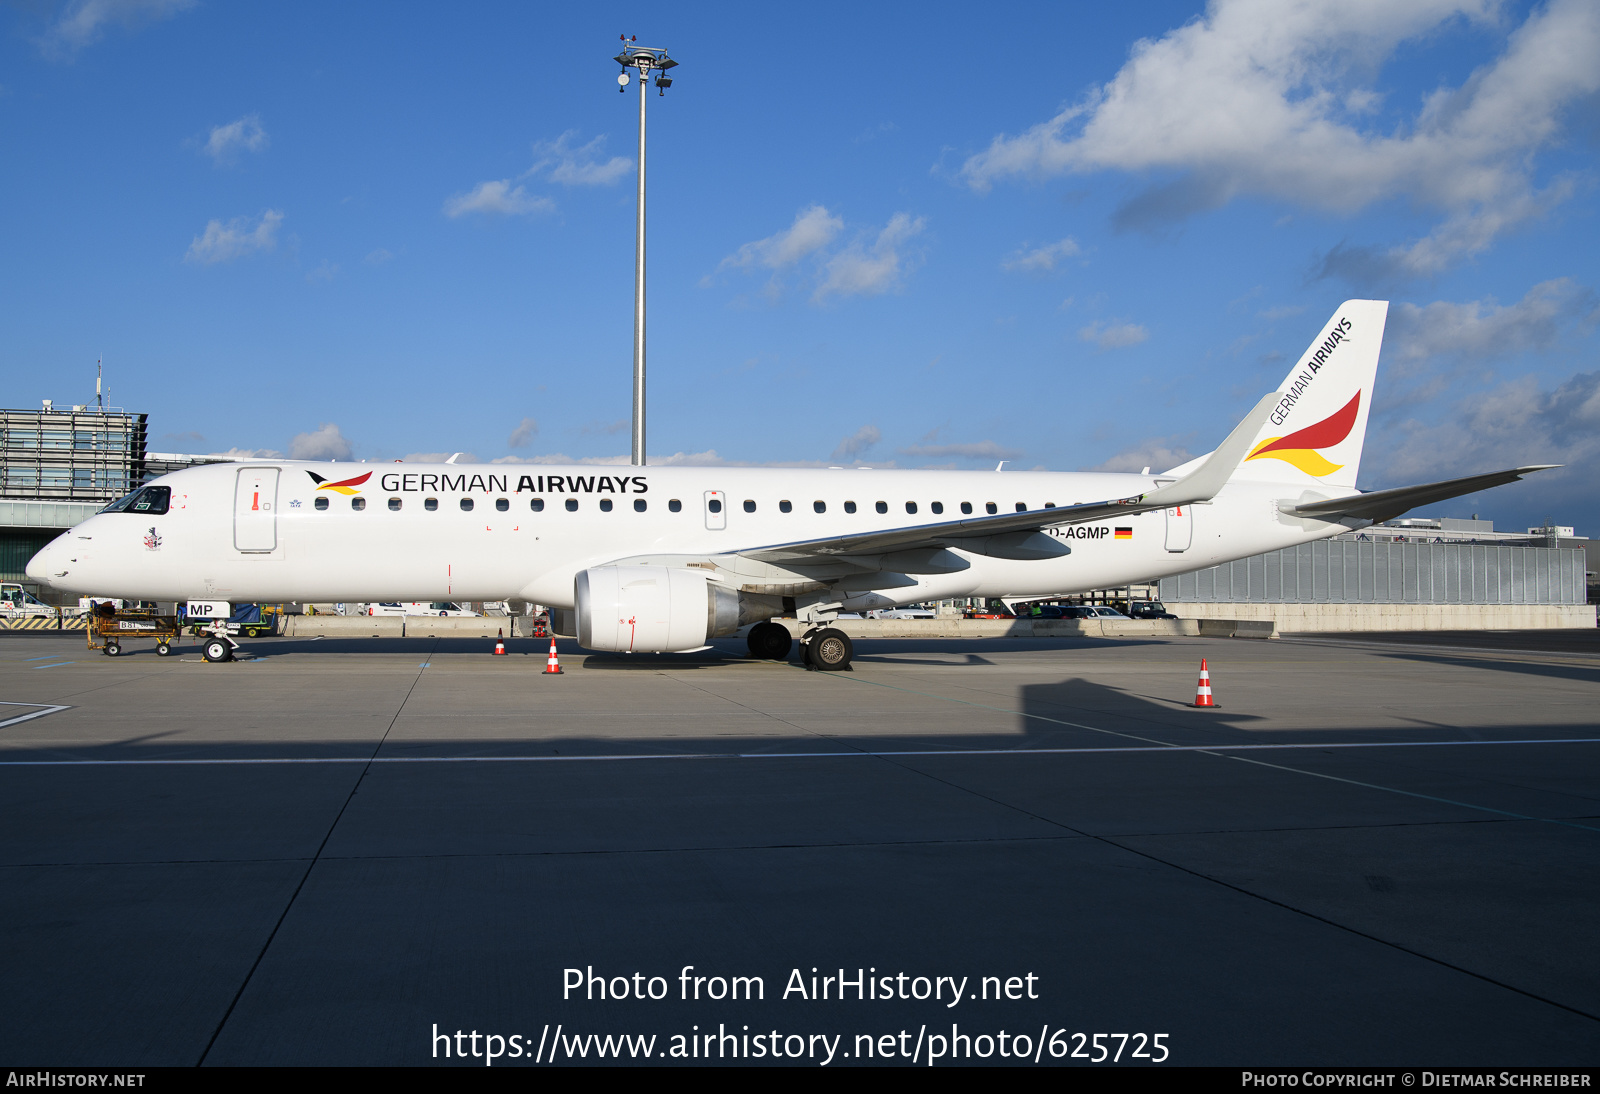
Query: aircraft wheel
[[163, 649], [112, 649], [829, 650], [216, 649], [770, 642]]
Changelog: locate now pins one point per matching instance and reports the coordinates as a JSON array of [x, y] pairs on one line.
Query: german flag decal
[[1123, 533]]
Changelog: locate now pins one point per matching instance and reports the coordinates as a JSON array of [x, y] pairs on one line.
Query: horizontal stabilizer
[[1381, 505]]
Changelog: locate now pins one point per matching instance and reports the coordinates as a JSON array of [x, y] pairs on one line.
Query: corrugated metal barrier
[[1341, 571]]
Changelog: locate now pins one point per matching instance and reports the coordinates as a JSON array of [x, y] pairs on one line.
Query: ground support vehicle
[[250, 620], [112, 627]]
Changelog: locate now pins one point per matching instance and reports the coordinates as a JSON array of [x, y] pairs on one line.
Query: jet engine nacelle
[[652, 609]]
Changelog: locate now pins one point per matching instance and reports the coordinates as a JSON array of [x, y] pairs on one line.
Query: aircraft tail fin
[[1318, 422]]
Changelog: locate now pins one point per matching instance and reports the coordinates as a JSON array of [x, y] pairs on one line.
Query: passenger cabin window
[[911, 507], [1022, 507], [431, 504], [749, 506], [786, 507], [605, 505], [320, 503], [572, 505], [394, 505], [849, 507], [937, 507], [537, 505], [882, 507], [640, 505], [674, 506], [819, 506], [1049, 505], [990, 507], [966, 507], [501, 504], [466, 505], [358, 504]]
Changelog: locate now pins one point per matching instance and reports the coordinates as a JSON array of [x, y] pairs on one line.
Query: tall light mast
[[645, 60]]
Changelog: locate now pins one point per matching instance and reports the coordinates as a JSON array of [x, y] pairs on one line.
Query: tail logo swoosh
[[1299, 449]]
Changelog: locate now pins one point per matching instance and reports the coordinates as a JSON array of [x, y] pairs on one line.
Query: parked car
[[417, 607], [1100, 611], [902, 613], [1149, 609]]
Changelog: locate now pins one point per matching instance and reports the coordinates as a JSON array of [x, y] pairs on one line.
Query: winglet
[[1203, 482]]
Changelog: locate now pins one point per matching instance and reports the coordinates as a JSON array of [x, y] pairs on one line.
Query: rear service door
[[716, 510], [1180, 527], [255, 510]]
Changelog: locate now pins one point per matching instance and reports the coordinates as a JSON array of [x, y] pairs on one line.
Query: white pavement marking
[[48, 709], [851, 754]]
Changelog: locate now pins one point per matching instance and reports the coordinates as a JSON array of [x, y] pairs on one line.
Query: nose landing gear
[[220, 646]]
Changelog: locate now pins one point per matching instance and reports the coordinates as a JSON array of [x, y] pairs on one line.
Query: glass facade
[[70, 455]]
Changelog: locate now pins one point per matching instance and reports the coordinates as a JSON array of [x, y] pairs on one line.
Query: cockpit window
[[151, 501]]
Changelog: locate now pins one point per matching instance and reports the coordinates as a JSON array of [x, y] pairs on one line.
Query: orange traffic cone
[[500, 643], [1202, 695], [552, 667]]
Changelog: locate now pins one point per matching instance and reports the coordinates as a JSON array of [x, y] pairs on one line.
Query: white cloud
[[1259, 97], [868, 270], [226, 141], [975, 450], [858, 442], [578, 166], [1040, 259], [1484, 329], [1113, 335], [524, 434], [605, 429], [83, 21], [497, 196], [324, 273], [378, 257], [1159, 453], [861, 267], [326, 443], [239, 237], [813, 229]]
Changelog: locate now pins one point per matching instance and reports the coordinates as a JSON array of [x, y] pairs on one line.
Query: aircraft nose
[[40, 566]]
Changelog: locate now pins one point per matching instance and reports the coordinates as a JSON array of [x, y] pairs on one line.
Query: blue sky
[[1073, 236]]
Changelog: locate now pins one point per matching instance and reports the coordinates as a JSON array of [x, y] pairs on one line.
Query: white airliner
[[663, 559]]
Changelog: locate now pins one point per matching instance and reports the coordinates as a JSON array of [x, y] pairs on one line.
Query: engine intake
[[652, 609]]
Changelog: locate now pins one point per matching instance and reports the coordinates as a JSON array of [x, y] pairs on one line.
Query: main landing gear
[[825, 649], [769, 642]]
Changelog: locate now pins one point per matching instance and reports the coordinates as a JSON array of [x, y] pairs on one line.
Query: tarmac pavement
[[1372, 852]]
